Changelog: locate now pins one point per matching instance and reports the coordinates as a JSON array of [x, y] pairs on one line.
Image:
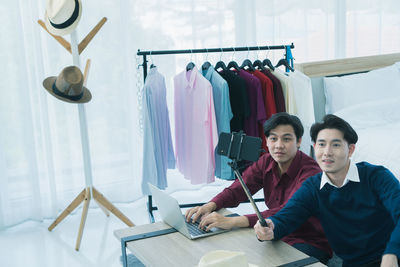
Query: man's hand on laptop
[[215, 219], [199, 212], [264, 233]]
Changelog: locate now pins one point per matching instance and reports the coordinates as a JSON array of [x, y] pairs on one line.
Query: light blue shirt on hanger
[[223, 114], [158, 153]]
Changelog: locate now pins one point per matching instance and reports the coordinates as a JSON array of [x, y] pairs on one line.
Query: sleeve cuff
[[219, 205], [252, 219], [393, 248], [276, 229]]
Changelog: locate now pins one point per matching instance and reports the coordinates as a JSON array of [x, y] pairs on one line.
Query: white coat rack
[[89, 191]]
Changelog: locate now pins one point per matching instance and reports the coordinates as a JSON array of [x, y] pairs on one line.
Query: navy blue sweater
[[360, 219]]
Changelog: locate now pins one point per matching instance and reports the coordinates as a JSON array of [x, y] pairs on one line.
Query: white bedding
[[377, 124]]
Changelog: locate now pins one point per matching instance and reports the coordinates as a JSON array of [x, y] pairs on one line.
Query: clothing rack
[[288, 57]]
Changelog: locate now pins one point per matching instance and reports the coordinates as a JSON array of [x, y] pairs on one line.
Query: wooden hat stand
[[89, 191]]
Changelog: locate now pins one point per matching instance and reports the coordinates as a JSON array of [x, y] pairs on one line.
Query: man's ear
[[299, 142], [352, 147]]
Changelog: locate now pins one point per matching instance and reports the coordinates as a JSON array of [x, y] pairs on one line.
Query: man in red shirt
[[279, 173]]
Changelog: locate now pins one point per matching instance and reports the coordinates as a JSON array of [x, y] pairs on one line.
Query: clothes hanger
[[220, 64], [206, 64], [247, 63], [283, 62], [233, 64], [268, 63], [190, 65], [152, 64], [257, 63]]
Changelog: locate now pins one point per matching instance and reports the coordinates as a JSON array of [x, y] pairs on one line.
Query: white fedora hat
[[68, 86], [62, 16], [225, 258]]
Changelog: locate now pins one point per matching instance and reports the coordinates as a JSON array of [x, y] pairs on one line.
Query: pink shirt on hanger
[[195, 127]]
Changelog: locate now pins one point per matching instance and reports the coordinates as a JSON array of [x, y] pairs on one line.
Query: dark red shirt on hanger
[[268, 99], [278, 93]]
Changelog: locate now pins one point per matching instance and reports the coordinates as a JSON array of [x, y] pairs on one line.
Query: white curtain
[[41, 167]]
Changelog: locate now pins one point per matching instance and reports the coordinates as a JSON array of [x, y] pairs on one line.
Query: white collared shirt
[[352, 175]]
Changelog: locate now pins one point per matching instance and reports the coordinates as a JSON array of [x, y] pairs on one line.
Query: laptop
[[172, 215]]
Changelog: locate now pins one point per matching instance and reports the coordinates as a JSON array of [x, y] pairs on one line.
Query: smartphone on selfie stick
[[238, 146]]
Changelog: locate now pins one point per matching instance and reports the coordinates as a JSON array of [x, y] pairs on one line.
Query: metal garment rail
[[144, 54]]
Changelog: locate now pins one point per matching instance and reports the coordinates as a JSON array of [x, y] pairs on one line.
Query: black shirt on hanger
[[238, 98]]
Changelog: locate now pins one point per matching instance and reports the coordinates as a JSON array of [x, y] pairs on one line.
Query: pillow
[[346, 91], [397, 64], [372, 114]]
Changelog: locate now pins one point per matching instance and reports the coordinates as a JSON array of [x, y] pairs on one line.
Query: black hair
[[283, 118], [331, 121]]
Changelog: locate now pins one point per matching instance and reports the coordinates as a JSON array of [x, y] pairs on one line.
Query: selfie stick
[[233, 165]]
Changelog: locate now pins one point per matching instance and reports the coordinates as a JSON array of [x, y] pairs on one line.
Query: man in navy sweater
[[358, 204]]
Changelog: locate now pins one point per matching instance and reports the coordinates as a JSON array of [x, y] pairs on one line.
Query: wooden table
[[174, 249]]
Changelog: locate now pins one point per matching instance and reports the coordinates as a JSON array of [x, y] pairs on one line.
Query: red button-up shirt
[[268, 99], [264, 174]]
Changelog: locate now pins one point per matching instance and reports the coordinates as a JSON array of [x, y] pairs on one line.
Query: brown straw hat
[[68, 86]]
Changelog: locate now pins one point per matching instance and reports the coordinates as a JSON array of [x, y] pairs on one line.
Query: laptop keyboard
[[194, 229]]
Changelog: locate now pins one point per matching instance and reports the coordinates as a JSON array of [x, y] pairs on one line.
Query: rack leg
[[85, 196], [75, 203], [109, 206], [83, 218], [106, 212], [150, 208]]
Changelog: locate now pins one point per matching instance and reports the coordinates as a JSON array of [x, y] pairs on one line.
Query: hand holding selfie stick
[[253, 147]]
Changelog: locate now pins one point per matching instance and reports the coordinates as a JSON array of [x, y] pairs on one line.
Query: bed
[[365, 91]]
